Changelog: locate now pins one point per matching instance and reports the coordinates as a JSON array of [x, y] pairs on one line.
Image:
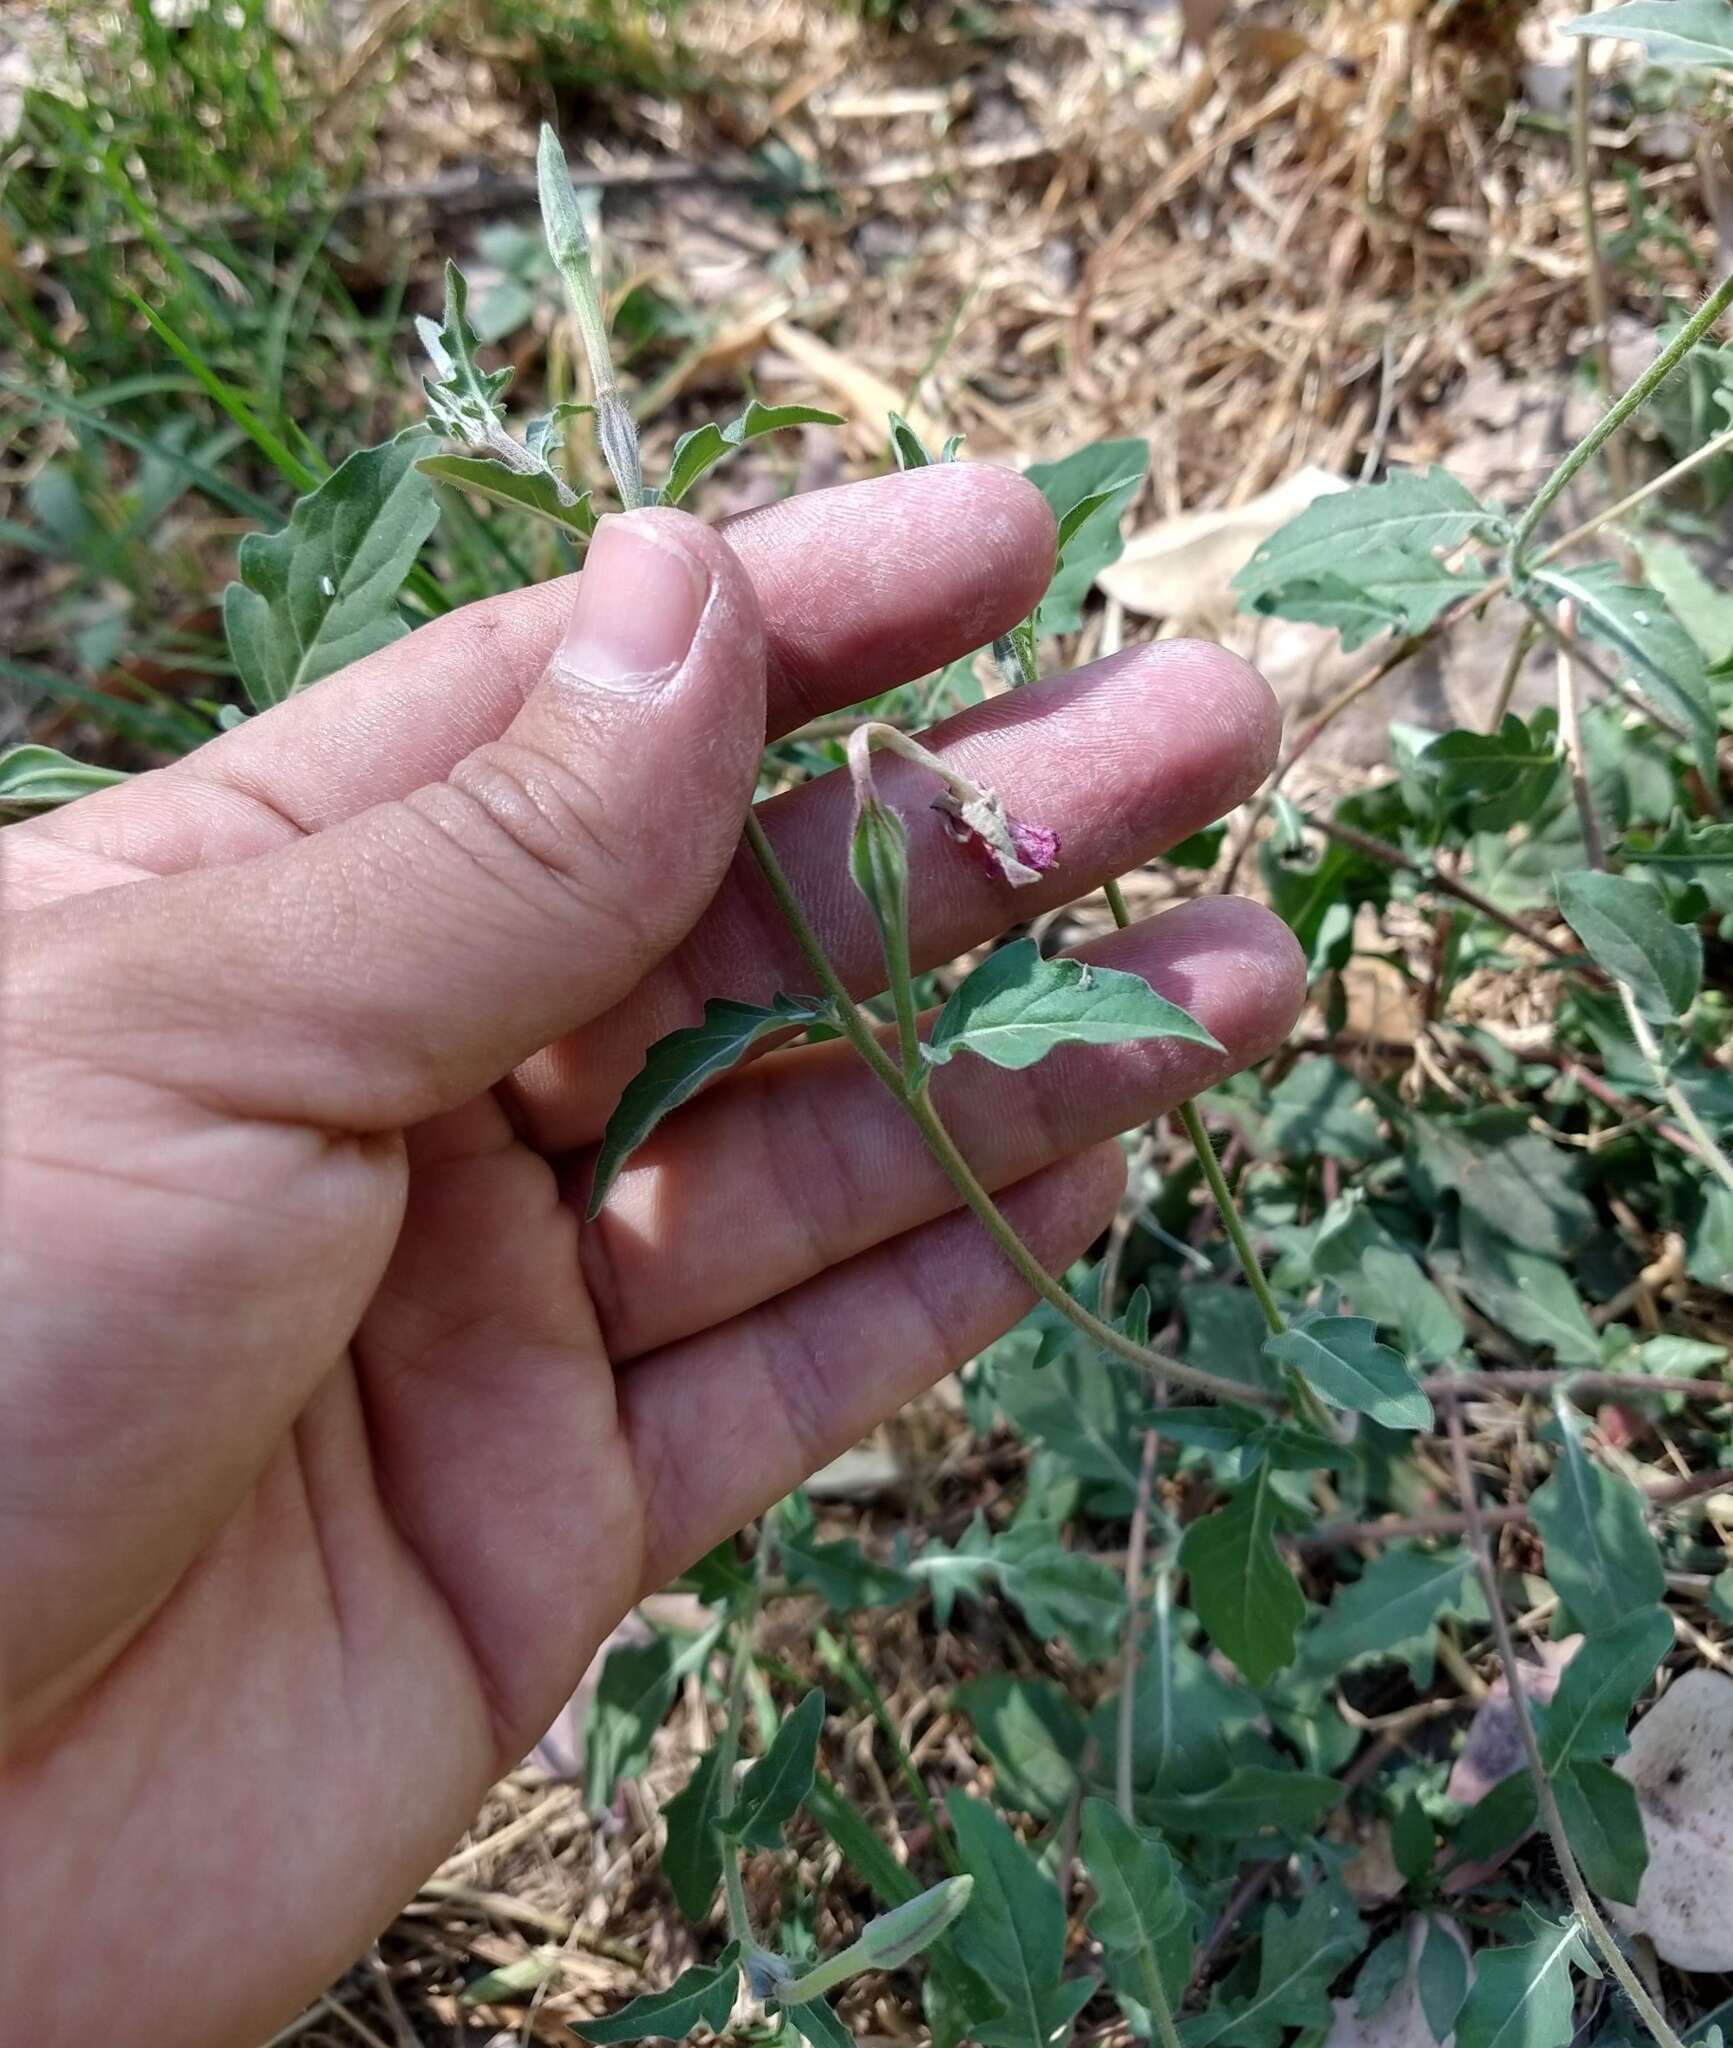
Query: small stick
[[1582, 1902]]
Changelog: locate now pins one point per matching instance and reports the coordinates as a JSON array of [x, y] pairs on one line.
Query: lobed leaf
[[698, 452], [703, 1995], [323, 591], [1625, 925], [1600, 1557], [1521, 1996], [677, 1066], [1013, 1933], [1017, 1007], [772, 1790], [1241, 1589], [539, 492], [1343, 1362], [1106, 475], [1600, 1685], [1138, 1897]]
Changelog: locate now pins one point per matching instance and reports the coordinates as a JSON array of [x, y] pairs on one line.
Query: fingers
[[724, 1424], [405, 959], [861, 588], [1122, 759], [835, 1166]]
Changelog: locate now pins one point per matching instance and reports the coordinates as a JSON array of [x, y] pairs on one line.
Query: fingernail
[[639, 602]]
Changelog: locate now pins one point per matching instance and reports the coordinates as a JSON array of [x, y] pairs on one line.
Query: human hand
[[332, 1443]]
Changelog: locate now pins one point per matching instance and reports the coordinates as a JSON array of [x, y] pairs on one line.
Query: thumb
[[404, 960]]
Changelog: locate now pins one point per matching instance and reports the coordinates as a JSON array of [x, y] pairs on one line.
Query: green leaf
[[842, 1574], [34, 778], [1382, 1974], [1491, 781], [1113, 468], [323, 591], [1187, 1710], [1412, 1841], [1667, 31], [1526, 1292], [814, 2021], [1343, 1362], [1241, 1590], [1600, 1558], [1391, 1610], [462, 397], [1665, 663], [703, 1995], [1250, 1798], [907, 447], [692, 1860], [699, 451], [773, 1788], [1441, 1979], [1687, 852], [1600, 1685], [1035, 1736], [677, 1066], [1705, 612], [635, 1690], [1016, 1008], [1301, 1954], [1521, 1996], [1013, 1933], [879, 864], [1625, 925], [1604, 1825], [1386, 1282], [1066, 1595], [1139, 1900], [1366, 559], [537, 491]]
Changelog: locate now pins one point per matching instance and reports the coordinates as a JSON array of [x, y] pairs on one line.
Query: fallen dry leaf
[[1681, 1763], [1180, 568]]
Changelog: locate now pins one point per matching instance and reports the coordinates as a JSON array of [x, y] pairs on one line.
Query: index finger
[[862, 587]]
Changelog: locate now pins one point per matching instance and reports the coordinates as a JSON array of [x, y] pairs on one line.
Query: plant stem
[[919, 1108], [1230, 1213], [1139, 1541], [1212, 1172], [727, 1755], [1582, 1901], [1512, 669], [1615, 417], [837, 1657], [1571, 738], [1594, 275]]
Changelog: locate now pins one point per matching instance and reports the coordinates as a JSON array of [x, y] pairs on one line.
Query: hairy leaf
[[703, 1995], [323, 591], [773, 1788], [699, 451], [1342, 1361], [1663, 658], [537, 491], [1521, 1997], [1600, 1685], [1013, 1933], [677, 1066], [1301, 1954], [1666, 31], [1392, 1610], [1626, 927], [1241, 1589], [1604, 1825], [1139, 1900], [1016, 1008], [1112, 468], [35, 778], [1600, 1557]]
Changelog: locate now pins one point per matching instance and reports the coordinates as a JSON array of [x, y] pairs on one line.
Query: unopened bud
[[562, 221]]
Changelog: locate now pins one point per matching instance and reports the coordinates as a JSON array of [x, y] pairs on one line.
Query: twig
[[1512, 670], [1435, 877], [1513, 1515], [505, 1906], [1582, 1902]]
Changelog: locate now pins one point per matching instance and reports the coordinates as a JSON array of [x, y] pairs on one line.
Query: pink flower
[[1017, 852]]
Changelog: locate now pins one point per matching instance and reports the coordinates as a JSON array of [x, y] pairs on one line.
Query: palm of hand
[[334, 1444]]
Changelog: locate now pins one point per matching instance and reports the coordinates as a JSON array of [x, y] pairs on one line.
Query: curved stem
[[1582, 1900], [1616, 415], [1230, 1214], [859, 1032]]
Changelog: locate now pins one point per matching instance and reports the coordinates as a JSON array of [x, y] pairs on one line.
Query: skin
[[332, 1443]]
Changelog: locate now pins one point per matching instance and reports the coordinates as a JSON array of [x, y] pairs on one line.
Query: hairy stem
[[1582, 1901], [1615, 417], [727, 1755], [942, 1145]]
